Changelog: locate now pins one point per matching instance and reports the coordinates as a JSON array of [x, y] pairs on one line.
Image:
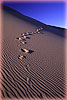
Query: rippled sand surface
[[36, 75]]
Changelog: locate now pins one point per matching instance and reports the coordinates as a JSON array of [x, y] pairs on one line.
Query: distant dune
[[33, 62]]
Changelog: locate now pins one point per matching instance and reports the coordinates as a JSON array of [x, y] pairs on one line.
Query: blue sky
[[51, 13]]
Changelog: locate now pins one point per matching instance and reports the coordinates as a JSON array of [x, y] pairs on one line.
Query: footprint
[[23, 39], [28, 37], [19, 38], [21, 57], [27, 51], [29, 33], [23, 42], [38, 32]]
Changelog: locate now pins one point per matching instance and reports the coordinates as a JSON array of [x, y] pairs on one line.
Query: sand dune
[[33, 62]]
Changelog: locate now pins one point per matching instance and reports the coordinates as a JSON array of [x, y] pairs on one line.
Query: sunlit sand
[[33, 61]]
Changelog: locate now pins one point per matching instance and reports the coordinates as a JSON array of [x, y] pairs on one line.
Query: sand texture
[[33, 62]]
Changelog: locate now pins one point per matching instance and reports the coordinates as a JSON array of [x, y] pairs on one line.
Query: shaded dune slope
[[40, 74], [53, 29]]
